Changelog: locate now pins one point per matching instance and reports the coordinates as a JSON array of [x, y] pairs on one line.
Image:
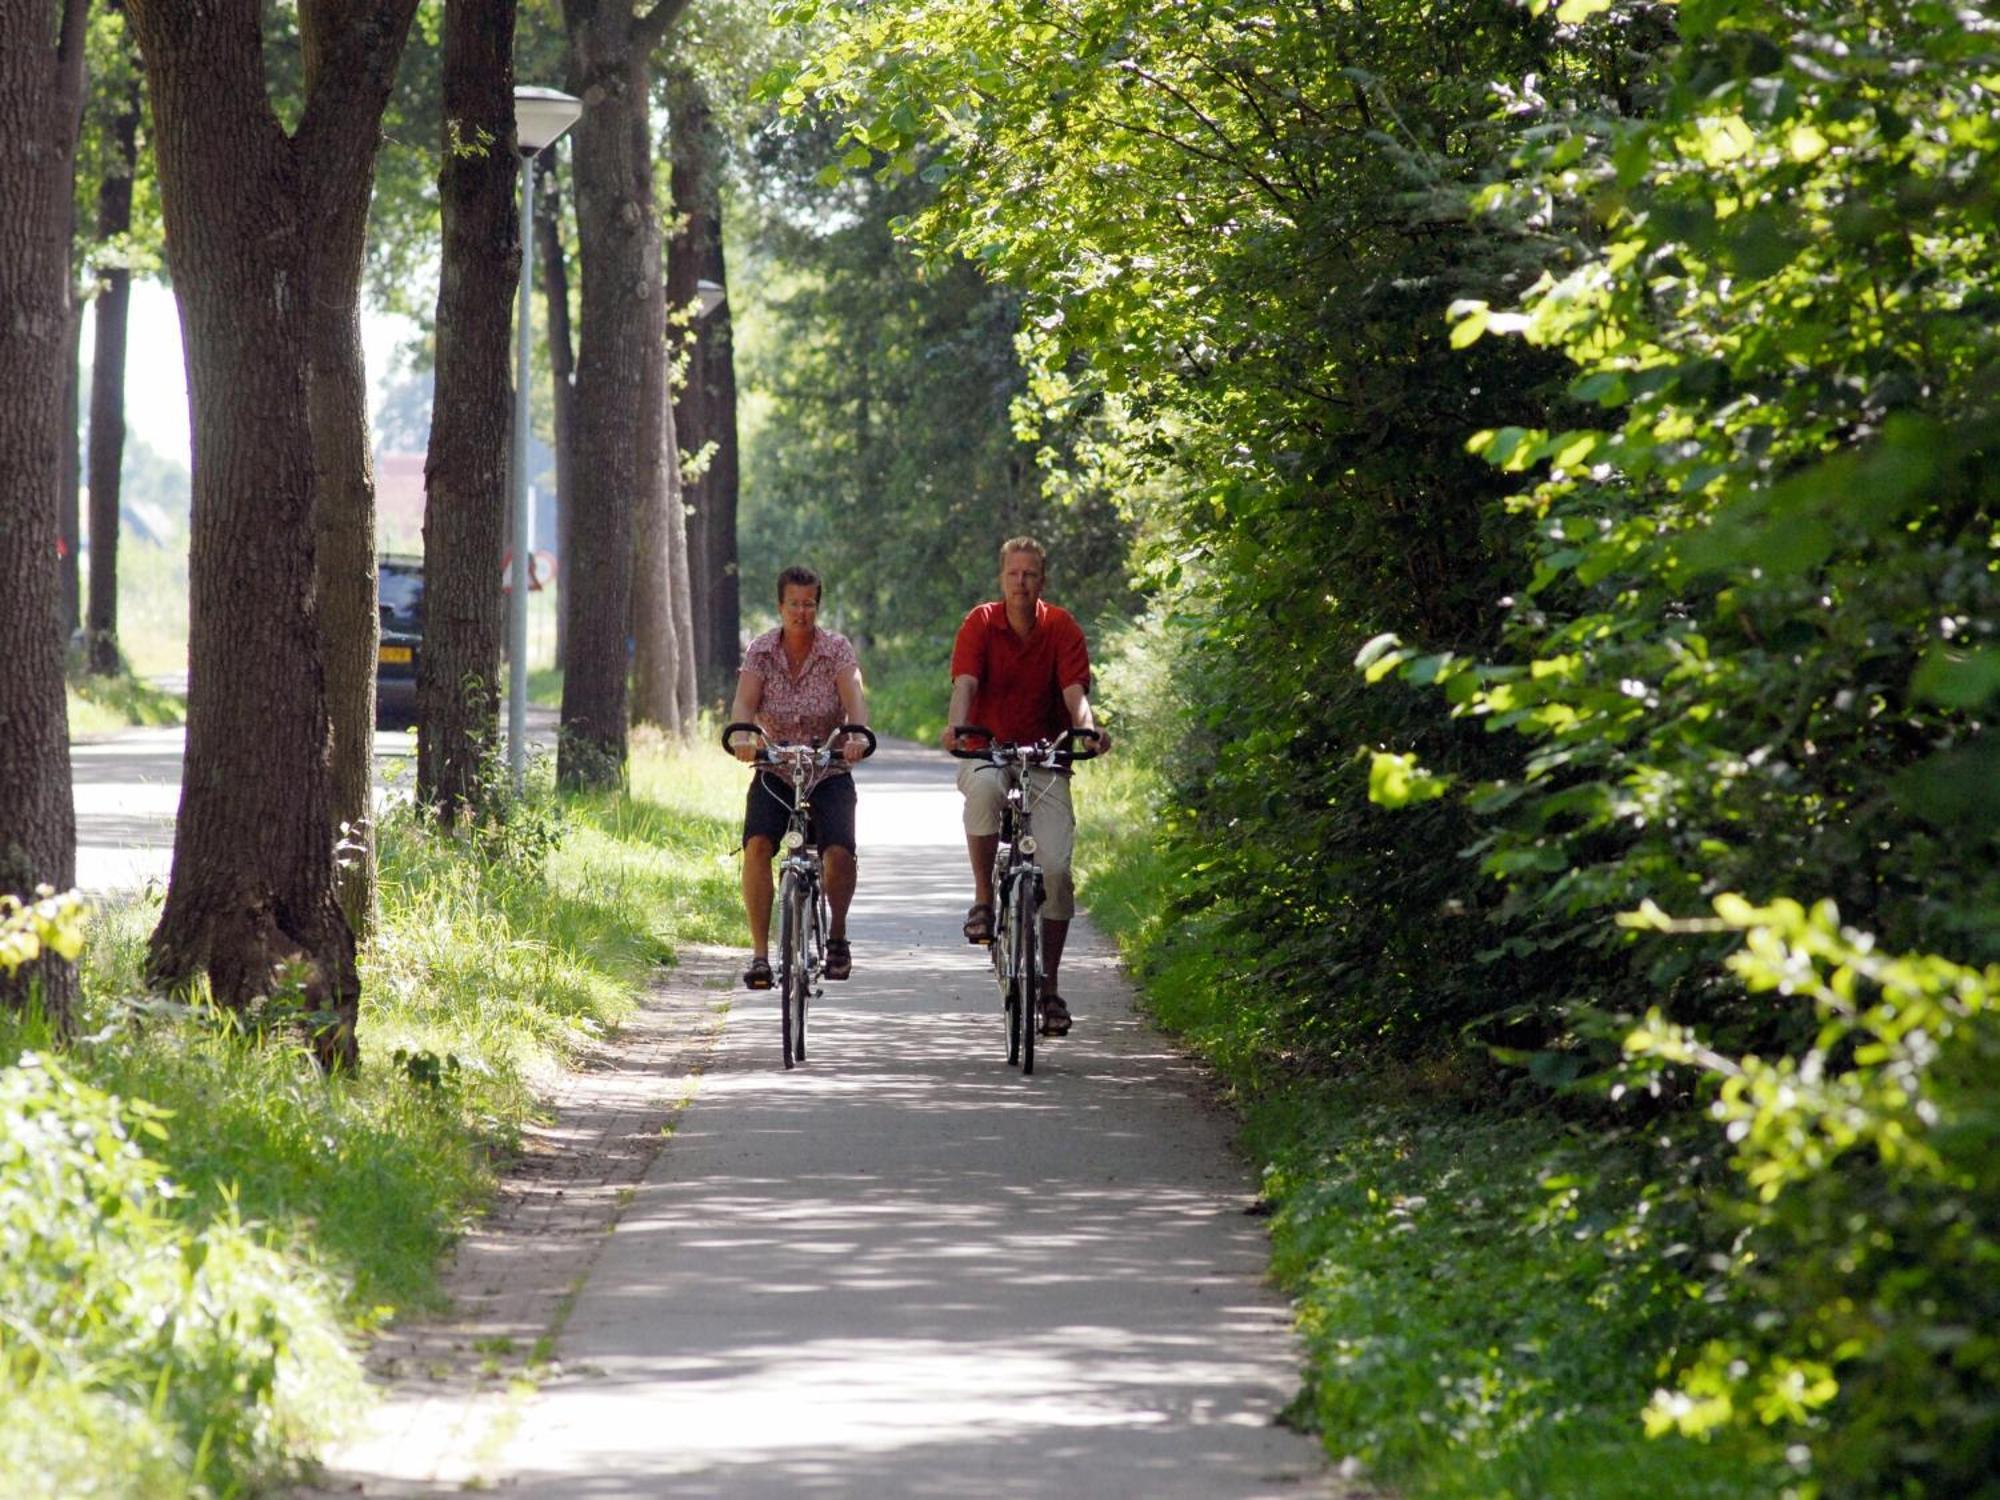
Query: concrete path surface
[[904, 1269]]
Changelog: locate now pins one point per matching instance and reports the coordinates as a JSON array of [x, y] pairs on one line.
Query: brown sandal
[[758, 975], [979, 924], [1055, 1016]]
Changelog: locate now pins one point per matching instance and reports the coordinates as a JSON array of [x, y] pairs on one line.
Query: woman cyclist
[[798, 684]]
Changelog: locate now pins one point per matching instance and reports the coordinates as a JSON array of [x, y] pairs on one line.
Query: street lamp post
[[541, 116]]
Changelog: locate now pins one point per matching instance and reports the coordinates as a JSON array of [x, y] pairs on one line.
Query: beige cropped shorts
[[1049, 814]]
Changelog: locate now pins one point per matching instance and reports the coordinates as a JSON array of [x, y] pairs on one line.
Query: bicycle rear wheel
[[792, 976]]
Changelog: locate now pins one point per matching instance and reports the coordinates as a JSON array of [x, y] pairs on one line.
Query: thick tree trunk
[[618, 238], [344, 489], [554, 273], [252, 901], [466, 473], [107, 393], [705, 405], [40, 83], [655, 649]]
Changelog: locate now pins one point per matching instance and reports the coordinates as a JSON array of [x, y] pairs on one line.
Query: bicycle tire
[[1027, 985], [791, 968]]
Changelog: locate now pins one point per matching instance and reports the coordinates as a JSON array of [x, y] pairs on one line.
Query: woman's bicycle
[[1016, 948], [802, 909]]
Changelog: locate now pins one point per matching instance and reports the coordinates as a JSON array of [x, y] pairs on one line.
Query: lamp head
[[541, 116]]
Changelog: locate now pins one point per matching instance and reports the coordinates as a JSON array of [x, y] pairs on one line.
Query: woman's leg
[[840, 875], [757, 853]]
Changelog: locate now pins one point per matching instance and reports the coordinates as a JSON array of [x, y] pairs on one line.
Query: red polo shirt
[[1021, 682]]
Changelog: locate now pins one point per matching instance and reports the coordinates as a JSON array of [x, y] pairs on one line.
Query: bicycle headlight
[[1028, 845], [793, 838]]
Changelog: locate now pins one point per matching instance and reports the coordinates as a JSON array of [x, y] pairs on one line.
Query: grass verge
[[98, 705], [1487, 1295], [194, 1225]]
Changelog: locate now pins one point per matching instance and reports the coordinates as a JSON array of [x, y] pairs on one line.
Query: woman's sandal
[[979, 924], [839, 958], [758, 975], [1055, 1016]]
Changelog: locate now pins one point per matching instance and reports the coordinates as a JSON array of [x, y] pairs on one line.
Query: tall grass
[[194, 1225]]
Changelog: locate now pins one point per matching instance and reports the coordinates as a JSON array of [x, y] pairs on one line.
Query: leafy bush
[[196, 1358]]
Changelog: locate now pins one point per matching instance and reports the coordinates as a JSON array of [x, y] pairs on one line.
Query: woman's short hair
[[802, 575], [1026, 544]]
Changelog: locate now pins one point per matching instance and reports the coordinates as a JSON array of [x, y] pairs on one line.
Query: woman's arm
[[854, 704], [749, 698]]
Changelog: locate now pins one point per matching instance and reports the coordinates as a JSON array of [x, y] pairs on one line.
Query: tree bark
[[655, 649], [679, 595], [705, 404], [70, 607], [562, 371], [337, 388], [252, 902], [466, 473], [41, 86], [107, 393], [619, 241]]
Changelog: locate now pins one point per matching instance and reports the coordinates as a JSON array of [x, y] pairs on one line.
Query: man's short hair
[[1026, 544], [805, 577]]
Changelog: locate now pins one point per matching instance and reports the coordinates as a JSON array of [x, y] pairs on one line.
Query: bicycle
[[801, 903], [1016, 949]]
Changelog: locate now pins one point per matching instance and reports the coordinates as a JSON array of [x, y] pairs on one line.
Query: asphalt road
[[128, 789], [906, 1270]]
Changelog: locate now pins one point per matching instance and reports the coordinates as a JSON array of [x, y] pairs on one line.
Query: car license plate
[[394, 655]]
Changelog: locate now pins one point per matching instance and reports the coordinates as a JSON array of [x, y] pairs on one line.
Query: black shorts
[[768, 810]]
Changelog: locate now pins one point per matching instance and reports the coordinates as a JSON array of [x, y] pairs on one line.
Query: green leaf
[[1958, 679]]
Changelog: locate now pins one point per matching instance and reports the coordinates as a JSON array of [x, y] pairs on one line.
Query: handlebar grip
[[974, 731], [865, 732], [1069, 736], [730, 731]]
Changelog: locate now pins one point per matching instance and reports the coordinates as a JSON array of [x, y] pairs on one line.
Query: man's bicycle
[[801, 904], [1016, 948]]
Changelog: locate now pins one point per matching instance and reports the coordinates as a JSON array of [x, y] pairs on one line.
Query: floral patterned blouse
[[800, 707]]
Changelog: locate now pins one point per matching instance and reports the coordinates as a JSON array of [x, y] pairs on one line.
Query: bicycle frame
[[1018, 882], [801, 903]]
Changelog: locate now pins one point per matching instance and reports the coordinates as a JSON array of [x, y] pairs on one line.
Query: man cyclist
[[1021, 669], [798, 683]]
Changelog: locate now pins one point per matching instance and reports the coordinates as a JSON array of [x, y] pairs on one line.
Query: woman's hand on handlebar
[[744, 741]]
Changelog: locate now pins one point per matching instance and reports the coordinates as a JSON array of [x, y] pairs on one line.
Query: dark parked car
[[400, 591]]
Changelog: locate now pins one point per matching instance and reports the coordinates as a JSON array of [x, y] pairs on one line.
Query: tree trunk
[[705, 405], [252, 901], [107, 392], [71, 603], [41, 82], [562, 371], [466, 473], [655, 649], [686, 699], [344, 488], [619, 241]]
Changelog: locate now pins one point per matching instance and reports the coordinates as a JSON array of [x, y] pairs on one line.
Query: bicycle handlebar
[[1054, 751], [822, 755]]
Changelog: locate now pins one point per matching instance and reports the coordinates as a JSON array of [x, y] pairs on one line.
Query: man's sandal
[[758, 975], [839, 958], [979, 924], [1055, 1016]]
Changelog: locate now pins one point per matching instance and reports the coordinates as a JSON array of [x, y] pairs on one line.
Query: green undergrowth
[[1488, 1294], [196, 1228], [98, 705], [909, 689]]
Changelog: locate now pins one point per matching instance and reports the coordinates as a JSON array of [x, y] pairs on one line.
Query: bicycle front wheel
[[793, 977], [1027, 962]]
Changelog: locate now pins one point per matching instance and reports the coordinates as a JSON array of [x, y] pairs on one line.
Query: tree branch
[[651, 29]]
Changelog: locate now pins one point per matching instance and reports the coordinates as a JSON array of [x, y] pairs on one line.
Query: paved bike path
[[905, 1270]]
